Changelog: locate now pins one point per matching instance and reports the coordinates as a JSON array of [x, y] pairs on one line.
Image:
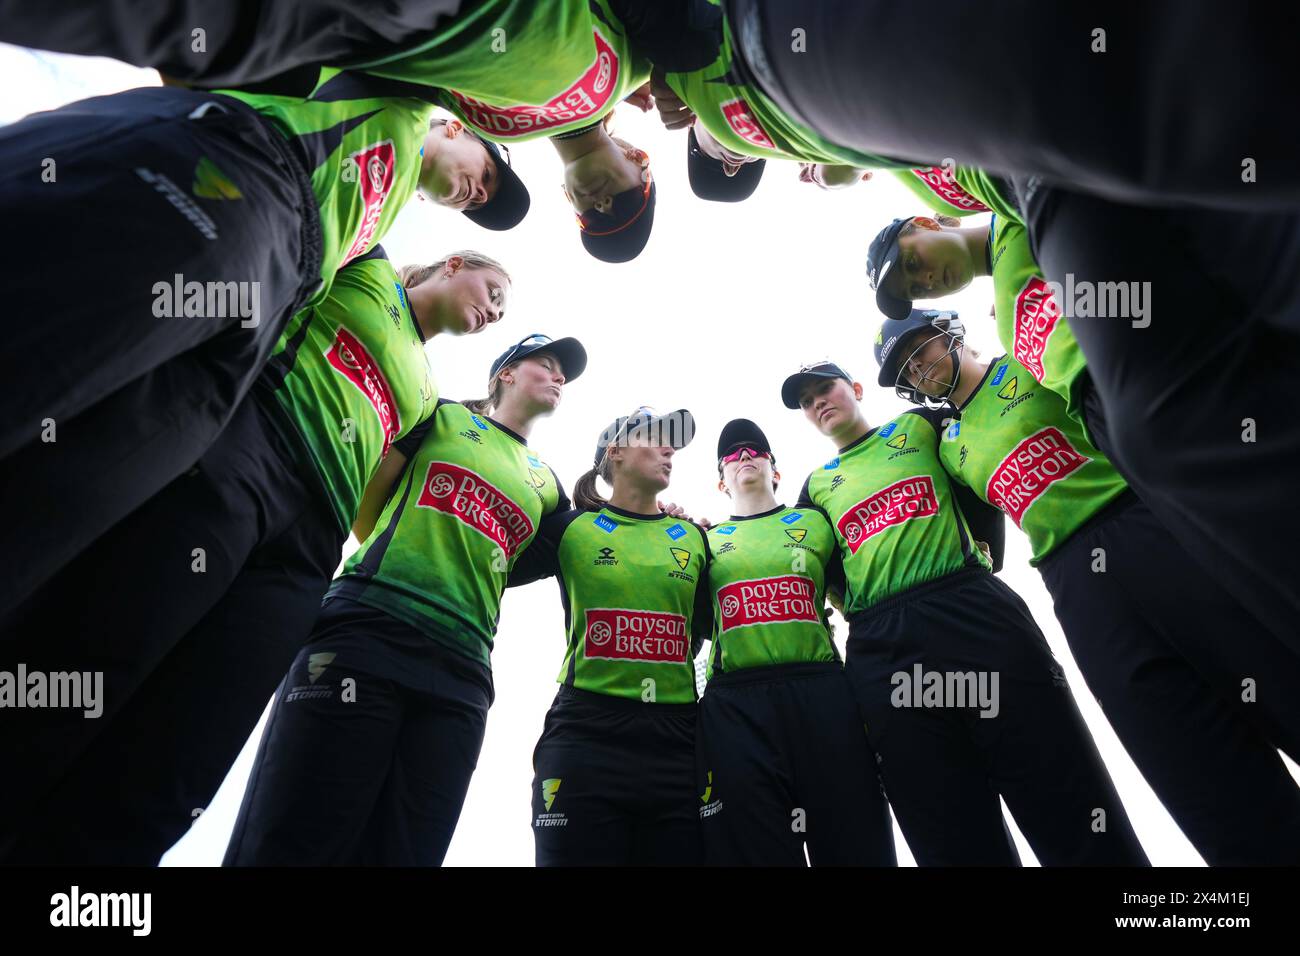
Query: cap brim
[[709, 181], [626, 244], [793, 385], [510, 204], [570, 352], [891, 306]]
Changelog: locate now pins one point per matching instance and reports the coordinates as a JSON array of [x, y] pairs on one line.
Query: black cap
[[507, 208], [793, 385], [881, 256], [674, 429], [572, 356], [620, 234], [741, 432], [894, 331], [709, 181]]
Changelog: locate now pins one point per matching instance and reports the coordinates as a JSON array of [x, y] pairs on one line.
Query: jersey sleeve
[[563, 503], [410, 443], [541, 559], [836, 581], [805, 500]]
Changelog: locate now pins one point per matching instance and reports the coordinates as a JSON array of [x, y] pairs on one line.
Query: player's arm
[[702, 614], [378, 492]]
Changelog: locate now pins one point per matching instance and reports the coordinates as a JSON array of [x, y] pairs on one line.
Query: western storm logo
[[375, 165], [898, 441], [478, 503], [618, 634], [796, 535], [349, 357], [1035, 316], [778, 600], [682, 557], [550, 787], [1008, 391], [941, 183], [585, 97], [1030, 469], [316, 664], [742, 122], [902, 501]]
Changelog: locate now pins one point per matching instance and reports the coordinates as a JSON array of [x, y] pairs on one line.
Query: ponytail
[[585, 495], [414, 274]]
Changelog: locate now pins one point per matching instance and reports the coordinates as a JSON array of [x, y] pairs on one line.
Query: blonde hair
[[585, 495], [413, 275], [496, 388]]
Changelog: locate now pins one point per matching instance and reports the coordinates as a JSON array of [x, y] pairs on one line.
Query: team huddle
[[1140, 439]]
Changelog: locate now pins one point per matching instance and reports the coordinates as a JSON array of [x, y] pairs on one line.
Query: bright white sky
[[725, 301]]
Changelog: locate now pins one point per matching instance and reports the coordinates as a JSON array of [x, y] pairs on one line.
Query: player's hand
[[984, 546], [673, 112], [641, 98]]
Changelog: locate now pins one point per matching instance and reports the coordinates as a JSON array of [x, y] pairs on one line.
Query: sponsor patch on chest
[[618, 634], [349, 357], [474, 500], [1036, 316], [767, 601], [902, 501], [1033, 466]]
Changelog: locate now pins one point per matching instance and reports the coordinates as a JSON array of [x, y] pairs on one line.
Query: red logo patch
[[1036, 315], [616, 634], [470, 497], [948, 189], [767, 601], [350, 357], [901, 501], [586, 96], [1031, 468], [375, 166], [743, 124]]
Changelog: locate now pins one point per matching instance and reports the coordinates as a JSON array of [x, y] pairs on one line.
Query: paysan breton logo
[[375, 168], [780, 600], [948, 189], [349, 357], [474, 500], [1033, 466], [742, 122], [1036, 315], [585, 96], [620, 634], [902, 501]]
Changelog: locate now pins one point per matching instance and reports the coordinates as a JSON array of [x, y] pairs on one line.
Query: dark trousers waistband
[[625, 704]]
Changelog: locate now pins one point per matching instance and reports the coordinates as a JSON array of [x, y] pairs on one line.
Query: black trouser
[[784, 761], [1165, 651], [131, 395], [369, 749], [189, 657], [1198, 397], [243, 41], [614, 783], [1162, 116], [944, 765]]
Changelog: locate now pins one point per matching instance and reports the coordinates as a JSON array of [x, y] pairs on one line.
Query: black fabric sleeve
[[702, 615], [986, 522], [836, 582], [410, 443], [564, 503], [541, 558], [678, 36], [805, 501]]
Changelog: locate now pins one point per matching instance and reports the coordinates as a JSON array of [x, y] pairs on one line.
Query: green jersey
[[992, 192], [352, 377], [1030, 325], [895, 512], [636, 601], [467, 505], [741, 117], [518, 69], [767, 576], [1013, 444], [363, 153], [940, 190]]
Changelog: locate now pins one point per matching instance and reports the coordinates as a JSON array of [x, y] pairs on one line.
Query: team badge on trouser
[[614, 783], [783, 763], [964, 702], [197, 238]]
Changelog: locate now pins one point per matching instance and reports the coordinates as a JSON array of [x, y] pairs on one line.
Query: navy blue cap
[[893, 331], [793, 385], [881, 256], [673, 429], [620, 234], [572, 356], [709, 179], [507, 208]]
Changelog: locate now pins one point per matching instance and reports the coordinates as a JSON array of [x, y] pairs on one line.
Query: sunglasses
[[752, 452], [537, 338], [587, 219]]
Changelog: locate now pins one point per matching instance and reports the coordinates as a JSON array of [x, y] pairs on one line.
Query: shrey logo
[[375, 165], [948, 189], [1033, 465], [617, 634], [468, 496], [742, 123], [586, 96], [767, 601], [903, 500], [1036, 315], [350, 357]]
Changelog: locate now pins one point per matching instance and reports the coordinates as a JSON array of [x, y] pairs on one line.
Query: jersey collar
[[766, 514], [632, 514], [983, 378], [519, 438]]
